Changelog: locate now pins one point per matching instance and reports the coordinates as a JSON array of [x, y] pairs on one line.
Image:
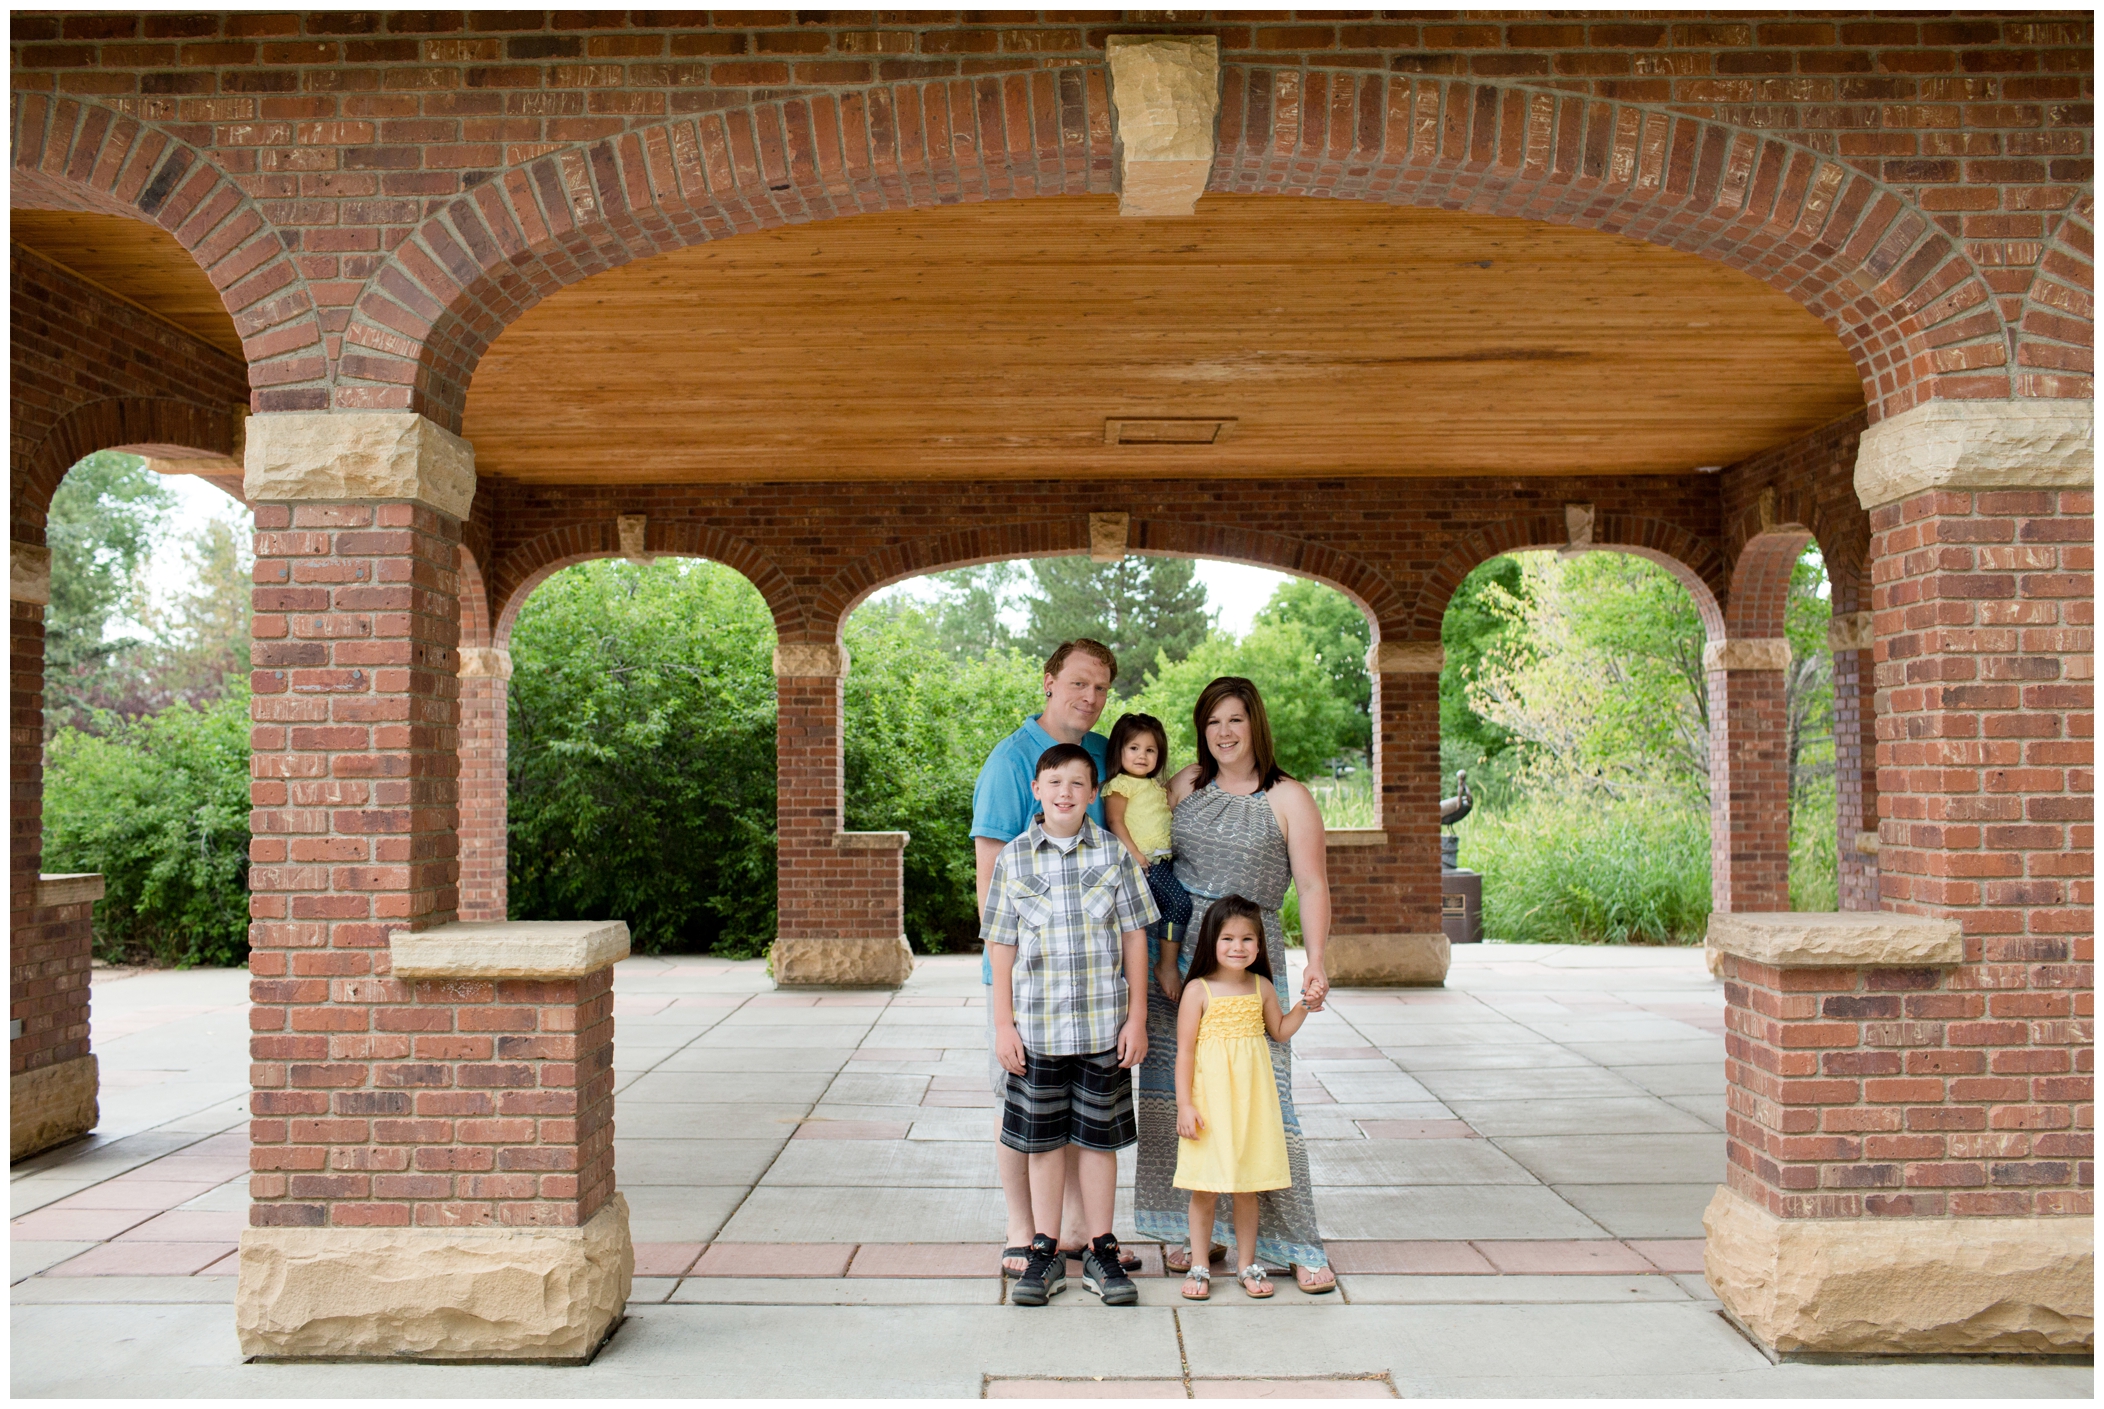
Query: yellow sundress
[[1243, 1146]]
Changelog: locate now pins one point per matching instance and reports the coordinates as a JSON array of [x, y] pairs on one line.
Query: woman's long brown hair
[[1236, 687]]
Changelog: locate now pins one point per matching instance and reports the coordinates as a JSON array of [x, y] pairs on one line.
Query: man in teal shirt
[[1077, 686]]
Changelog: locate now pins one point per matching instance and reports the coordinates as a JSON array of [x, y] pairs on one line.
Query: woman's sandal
[[1009, 1255], [1202, 1279], [1256, 1282], [1178, 1257], [1301, 1276]]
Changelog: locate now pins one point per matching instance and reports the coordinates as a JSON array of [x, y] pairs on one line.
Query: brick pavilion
[[453, 300]]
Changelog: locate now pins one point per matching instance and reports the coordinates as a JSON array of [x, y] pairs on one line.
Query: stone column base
[[1902, 1286], [48, 1106], [546, 1295], [1387, 960], [801, 962]]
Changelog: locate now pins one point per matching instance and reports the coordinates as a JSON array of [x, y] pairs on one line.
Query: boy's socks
[[1044, 1278], [1101, 1274]]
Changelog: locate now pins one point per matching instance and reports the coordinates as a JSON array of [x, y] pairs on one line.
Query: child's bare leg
[[1245, 1230], [1098, 1181], [1048, 1187], [1074, 1222], [1203, 1207], [1014, 1167]]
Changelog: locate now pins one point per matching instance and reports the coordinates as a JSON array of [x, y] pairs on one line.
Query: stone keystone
[[1967, 445], [1108, 535], [358, 455], [1757, 653], [1578, 522], [1165, 90]]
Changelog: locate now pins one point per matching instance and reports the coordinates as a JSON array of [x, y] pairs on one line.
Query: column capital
[[29, 574], [1968, 445], [493, 662], [335, 456], [1752, 653], [1849, 631], [818, 660], [1406, 658], [1165, 91]]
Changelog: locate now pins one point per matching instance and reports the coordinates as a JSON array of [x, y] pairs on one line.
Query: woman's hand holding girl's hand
[[1189, 1123], [1314, 987]]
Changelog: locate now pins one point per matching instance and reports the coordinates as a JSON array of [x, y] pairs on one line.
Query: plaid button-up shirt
[[1066, 912]]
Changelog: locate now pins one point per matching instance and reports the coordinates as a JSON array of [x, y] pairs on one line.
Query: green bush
[[158, 805], [1815, 882], [642, 755], [919, 725], [1565, 870]]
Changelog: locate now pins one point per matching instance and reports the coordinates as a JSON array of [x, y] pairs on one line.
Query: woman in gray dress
[[1242, 827]]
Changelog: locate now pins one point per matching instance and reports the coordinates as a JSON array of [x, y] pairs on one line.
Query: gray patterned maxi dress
[[1225, 845]]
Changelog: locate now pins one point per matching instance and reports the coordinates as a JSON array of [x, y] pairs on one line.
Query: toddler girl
[[1137, 806], [1233, 1138]]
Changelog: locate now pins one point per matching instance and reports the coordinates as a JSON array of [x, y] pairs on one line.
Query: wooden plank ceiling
[[139, 263], [1338, 338]]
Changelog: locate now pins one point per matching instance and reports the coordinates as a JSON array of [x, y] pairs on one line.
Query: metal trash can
[[1460, 896]]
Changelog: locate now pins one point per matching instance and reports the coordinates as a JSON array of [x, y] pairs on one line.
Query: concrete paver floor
[[1511, 1174]]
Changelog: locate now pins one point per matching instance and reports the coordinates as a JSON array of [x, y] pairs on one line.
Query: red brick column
[[485, 674], [1385, 887], [421, 1138], [1749, 774], [841, 897], [1855, 760], [52, 1083], [1910, 1090]]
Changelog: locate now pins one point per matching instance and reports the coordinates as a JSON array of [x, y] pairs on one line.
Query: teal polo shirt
[[1002, 806]]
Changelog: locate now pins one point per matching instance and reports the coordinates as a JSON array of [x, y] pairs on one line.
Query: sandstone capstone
[[522, 949], [1977, 445], [358, 455], [858, 962], [484, 1293], [491, 662], [1387, 960], [1850, 631], [819, 661], [29, 573], [1892, 1286], [1851, 939], [50, 1105]]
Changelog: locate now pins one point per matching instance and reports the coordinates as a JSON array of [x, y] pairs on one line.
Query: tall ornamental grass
[[1592, 870]]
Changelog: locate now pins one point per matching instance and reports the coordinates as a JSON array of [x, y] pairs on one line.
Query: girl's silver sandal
[[1256, 1282], [1204, 1278]]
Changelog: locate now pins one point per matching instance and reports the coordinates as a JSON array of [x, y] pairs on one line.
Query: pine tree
[[1142, 608]]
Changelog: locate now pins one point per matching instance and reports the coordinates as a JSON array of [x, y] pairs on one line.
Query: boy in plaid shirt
[[1066, 928]]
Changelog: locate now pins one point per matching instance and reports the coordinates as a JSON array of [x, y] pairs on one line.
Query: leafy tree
[[200, 639], [1472, 626], [642, 755], [1341, 637], [919, 725], [101, 530], [973, 603], [1147, 610], [1311, 726], [159, 806]]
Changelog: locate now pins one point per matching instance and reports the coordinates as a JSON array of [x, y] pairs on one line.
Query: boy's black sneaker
[[1101, 1274], [1044, 1278]]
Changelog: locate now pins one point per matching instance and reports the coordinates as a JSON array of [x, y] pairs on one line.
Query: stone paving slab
[[1450, 1211], [733, 1162], [1374, 1290], [1387, 1163], [1619, 1159], [1643, 1210], [1628, 1115]]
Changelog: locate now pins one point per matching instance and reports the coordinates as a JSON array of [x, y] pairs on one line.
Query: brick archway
[[143, 425], [1359, 581], [1694, 563], [516, 573], [71, 154], [1900, 292]]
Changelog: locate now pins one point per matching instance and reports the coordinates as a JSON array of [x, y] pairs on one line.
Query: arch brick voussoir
[[515, 573], [75, 154], [1902, 295]]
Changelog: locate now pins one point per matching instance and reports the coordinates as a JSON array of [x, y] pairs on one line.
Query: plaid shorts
[[1080, 1100]]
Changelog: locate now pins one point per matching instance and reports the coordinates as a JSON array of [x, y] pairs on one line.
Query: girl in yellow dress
[[1233, 1139]]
